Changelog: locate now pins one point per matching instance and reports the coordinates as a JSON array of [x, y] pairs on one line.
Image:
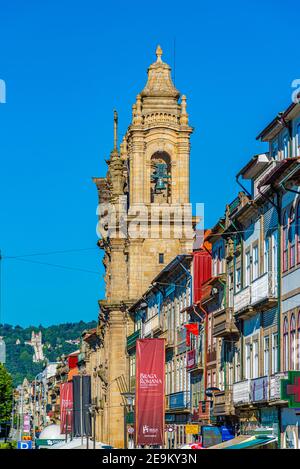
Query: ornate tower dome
[[160, 92]]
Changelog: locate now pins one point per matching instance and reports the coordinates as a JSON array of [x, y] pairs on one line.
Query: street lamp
[[129, 403], [92, 411], [34, 407]]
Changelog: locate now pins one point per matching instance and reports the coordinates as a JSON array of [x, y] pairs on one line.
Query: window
[[274, 261], [237, 365], [220, 260], [255, 262], [298, 231], [248, 361], [214, 381], [209, 333], [247, 279], [293, 343], [285, 146], [285, 345], [238, 279], [266, 355], [298, 140], [274, 149], [255, 359], [285, 241], [230, 288], [209, 380], [161, 258], [267, 254], [274, 352], [292, 237]]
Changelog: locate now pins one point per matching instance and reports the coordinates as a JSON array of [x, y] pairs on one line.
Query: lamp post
[[129, 403], [92, 411], [34, 408]]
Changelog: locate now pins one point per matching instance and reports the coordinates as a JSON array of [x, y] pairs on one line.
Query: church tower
[[143, 201]]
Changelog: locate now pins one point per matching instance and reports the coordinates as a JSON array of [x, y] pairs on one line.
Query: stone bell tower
[[143, 199]]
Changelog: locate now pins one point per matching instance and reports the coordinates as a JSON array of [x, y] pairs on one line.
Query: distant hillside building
[[36, 343]]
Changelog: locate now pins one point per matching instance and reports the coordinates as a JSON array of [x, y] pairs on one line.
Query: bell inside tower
[[160, 181]]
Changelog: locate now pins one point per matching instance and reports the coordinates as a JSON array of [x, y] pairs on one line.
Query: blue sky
[[67, 65]]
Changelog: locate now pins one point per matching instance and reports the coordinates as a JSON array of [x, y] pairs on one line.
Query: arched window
[[298, 341], [292, 237], [298, 231], [285, 345], [285, 241], [293, 343]]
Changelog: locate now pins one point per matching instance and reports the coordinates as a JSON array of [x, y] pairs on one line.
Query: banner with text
[[150, 392], [66, 407]]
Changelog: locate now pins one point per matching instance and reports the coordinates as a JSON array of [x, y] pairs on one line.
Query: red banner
[[150, 391], [66, 407]]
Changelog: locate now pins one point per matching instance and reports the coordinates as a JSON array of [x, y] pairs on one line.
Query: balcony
[[223, 404], [152, 326], [241, 300], [224, 325], [258, 390], [241, 392], [264, 291], [132, 338], [178, 401], [262, 294]]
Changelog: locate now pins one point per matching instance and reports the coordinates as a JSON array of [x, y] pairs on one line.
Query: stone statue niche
[[160, 182]]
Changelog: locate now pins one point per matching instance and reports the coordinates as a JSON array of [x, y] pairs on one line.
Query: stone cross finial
[[158, 53]]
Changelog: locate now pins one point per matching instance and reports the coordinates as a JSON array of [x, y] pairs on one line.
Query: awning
[[256, 442], [245, 442]]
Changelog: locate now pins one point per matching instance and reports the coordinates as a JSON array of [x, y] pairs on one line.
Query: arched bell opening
[[160, 178]]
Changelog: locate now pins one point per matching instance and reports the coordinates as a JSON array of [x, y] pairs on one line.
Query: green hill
[[19, 356]]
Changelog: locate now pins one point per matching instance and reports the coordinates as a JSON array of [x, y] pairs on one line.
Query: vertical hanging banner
[[150, 391], [66, 407], [82, 402]]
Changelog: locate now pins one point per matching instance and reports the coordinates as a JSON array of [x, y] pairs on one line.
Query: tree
[[5, 394]]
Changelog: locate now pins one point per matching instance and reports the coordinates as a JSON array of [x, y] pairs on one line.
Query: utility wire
[[49, 253], [57, 265]]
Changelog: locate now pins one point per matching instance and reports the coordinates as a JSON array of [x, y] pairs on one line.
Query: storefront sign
[[192, 429], [150, 391], [48, 442], [290, 389]]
